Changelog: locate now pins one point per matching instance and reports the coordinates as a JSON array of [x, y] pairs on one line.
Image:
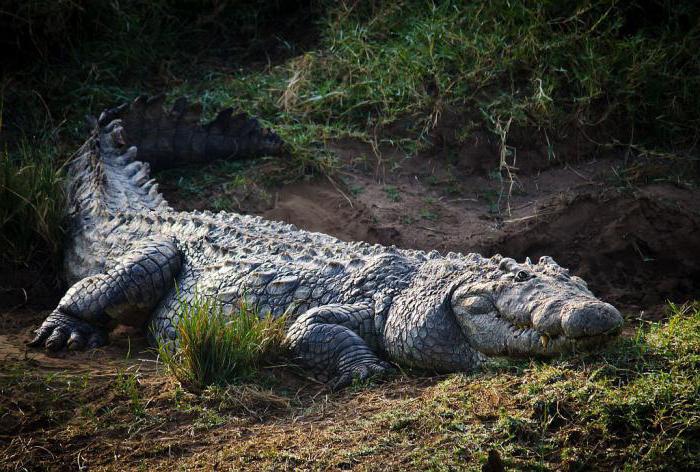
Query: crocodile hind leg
[[124, 294], [333, 341]]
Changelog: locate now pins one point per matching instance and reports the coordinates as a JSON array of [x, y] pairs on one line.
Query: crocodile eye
[[523, 275]]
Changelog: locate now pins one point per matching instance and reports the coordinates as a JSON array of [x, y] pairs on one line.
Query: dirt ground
[[636, 246]]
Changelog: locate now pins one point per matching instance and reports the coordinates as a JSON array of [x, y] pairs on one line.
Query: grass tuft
[[216, 348], [31, 204]]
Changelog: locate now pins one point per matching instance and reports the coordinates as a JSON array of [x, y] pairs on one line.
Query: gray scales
[[352, 307]]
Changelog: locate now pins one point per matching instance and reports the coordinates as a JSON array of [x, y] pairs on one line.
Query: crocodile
[[353, 310]]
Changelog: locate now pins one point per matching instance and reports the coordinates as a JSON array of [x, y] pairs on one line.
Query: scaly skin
[[351, 306]]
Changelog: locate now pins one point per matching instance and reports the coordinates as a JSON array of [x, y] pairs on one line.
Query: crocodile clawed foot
[[60, 330], [361, 372]]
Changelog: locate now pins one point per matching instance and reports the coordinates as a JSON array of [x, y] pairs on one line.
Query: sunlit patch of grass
[[216, 348], [634, 405]]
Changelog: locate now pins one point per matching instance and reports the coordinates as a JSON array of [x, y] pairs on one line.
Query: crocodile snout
[[581, 319]]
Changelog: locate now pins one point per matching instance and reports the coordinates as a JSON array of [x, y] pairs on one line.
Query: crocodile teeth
[[544, 340]]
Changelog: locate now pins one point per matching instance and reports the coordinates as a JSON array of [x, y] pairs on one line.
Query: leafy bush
[[216, 348]]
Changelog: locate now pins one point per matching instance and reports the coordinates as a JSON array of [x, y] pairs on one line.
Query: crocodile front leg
[[124, 294], [333, 341]]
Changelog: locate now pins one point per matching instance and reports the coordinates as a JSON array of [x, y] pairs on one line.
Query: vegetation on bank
[[610, 74], [32, 204], [632, 406]]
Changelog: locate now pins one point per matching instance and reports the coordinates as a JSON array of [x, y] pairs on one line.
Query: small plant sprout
[[392, 193]]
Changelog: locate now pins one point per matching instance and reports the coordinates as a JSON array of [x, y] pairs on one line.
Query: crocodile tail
[[177, 137]]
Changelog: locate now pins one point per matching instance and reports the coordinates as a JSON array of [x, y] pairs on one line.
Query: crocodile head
[[531, 310]]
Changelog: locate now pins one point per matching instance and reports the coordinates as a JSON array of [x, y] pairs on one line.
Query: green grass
[[611, 72], [633, 406], [392, 193], [216, 348], [32, 204], [552, 66], [126, 384], [544, 72]]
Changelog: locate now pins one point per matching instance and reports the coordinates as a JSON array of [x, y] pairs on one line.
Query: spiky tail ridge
[[173, 138]]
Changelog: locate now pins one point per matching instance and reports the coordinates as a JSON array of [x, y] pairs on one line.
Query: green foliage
[[652, 391], [392, 193], [31, 203], [216, 348], [551, 65], [126, 384]]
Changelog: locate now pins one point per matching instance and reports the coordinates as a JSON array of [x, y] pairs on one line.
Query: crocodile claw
[[361, 372], [60, 331]]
